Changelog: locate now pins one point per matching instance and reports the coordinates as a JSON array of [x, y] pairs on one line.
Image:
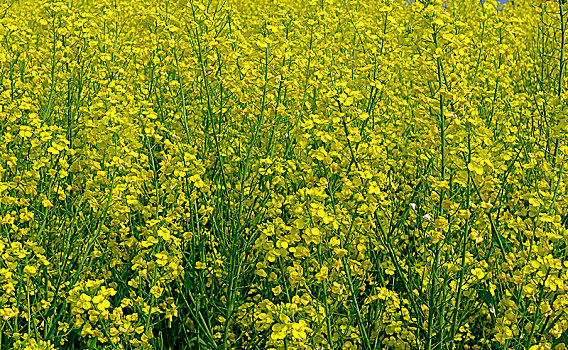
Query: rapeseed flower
[[283, 175]]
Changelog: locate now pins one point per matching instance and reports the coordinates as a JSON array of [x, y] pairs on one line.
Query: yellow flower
[[279, 331], [156, 291], [30, 270], [478, 273], [103, 305], [277, 290], [503, 334], [165, 234], [476, 168]]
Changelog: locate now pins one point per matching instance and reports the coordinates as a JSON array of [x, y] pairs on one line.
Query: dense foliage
[[255, 174]]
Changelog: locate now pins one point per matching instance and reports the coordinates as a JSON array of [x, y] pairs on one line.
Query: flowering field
[[294, 174]]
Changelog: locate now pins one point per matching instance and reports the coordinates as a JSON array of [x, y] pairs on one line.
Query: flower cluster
[[318, 174]]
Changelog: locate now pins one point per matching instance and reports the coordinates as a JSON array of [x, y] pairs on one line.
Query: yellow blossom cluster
[[282, 175]]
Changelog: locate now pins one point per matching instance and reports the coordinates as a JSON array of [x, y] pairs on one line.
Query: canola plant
[[292, 174]]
